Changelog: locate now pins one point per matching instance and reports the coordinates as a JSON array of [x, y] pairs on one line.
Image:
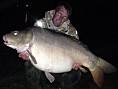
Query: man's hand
[[76, 66], [24, 55]]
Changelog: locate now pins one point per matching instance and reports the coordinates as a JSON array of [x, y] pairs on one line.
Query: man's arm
[[72, 31]]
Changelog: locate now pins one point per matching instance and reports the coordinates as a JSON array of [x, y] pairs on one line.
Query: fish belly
[[53, 65], [53, 61]]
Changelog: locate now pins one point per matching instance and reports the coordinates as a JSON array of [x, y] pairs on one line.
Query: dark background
[[95, 20]]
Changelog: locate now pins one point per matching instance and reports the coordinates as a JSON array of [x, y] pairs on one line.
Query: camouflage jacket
[[66, 27]]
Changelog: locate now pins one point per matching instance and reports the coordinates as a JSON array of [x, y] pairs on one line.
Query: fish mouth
[[5, 40]]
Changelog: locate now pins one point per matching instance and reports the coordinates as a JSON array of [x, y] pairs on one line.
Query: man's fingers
[[76, 66], [24, 55]]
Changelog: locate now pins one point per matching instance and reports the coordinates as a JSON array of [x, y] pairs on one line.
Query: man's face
[[60, 16]]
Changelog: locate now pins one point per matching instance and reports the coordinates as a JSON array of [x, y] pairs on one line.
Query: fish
[[55, 52]]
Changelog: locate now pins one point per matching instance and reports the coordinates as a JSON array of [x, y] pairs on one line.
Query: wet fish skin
[[55, 52]]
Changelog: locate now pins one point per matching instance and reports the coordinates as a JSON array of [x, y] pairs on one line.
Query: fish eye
[[15, 33]]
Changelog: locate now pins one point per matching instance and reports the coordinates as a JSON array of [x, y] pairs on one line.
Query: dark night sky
[[95, 20]]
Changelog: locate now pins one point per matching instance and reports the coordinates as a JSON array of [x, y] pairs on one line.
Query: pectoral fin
[[49, 76], [33, 58], [98, 76]]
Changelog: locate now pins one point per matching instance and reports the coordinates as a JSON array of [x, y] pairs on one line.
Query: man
[[57, 19]]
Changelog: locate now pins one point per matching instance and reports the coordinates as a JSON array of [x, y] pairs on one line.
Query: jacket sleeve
[[72, 31]]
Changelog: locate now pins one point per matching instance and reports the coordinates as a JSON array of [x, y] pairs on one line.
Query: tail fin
[[98, 76], [98, 73], [106, 67]]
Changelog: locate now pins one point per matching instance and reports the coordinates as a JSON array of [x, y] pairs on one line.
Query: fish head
[[19, 40]]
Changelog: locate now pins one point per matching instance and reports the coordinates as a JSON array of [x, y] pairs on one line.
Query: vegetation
[[86, 82]]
